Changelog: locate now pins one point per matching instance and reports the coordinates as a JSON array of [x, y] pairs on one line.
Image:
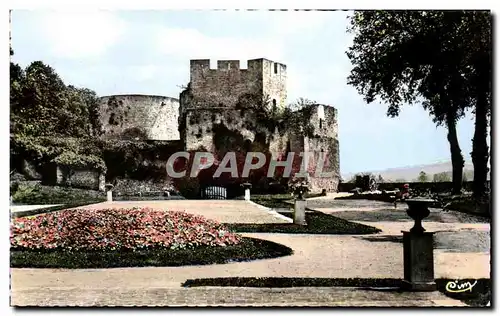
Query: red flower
[[117, 228]]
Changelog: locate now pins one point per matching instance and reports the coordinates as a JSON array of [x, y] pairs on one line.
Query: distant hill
[[411, 173]]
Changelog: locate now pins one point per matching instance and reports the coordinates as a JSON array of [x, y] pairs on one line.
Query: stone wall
[[140, 117], [240, 126], [30, 171], [201, 125], [274, 82], [131, 187], [322, 140], [80, 178]]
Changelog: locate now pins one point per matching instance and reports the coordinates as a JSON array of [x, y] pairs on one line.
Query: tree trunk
[[457, 160], [480, 147]]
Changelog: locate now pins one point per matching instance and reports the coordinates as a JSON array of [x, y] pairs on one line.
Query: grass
[[278, 200], [54, 208], [273, 200], [317, 223], [42, 194], [479, 296], [249, 249], [469, 206]]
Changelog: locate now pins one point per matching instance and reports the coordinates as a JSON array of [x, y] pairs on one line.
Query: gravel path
[[224, 211], [227, 296], [328, 256]]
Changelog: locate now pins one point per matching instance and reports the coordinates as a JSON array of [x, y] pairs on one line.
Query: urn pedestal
[[418, 250], [299, 214], [109, 192]]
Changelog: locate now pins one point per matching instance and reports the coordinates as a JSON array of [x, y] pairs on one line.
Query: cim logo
[[456, 287]]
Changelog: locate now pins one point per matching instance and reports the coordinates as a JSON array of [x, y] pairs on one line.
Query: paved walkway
[[224, 211], [227, 297], [24, 208]]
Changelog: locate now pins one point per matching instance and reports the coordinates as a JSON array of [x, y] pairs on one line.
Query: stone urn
[[300, 190], [418, 209], [246, 185]]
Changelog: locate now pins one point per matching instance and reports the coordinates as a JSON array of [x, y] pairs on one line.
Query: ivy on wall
[[71, 152], [118, 158]]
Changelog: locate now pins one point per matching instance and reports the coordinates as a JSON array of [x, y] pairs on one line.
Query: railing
[[213, 193]]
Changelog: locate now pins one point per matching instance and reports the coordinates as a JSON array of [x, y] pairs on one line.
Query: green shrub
[[23, 192], [28, 193], [188, 187]]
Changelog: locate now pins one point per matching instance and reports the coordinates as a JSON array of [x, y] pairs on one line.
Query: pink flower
[[135, 228]]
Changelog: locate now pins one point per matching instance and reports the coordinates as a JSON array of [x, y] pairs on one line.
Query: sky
[[148, 52]]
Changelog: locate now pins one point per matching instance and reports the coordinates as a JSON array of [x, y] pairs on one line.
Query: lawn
[[278, 200], [317, 223], [247, 250]]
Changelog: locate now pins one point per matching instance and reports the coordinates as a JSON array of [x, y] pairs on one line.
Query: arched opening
[[274, 105]]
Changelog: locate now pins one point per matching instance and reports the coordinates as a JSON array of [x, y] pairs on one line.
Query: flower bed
[[117, 229]]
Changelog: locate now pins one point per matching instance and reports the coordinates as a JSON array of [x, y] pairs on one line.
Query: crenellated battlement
[[257, 65]]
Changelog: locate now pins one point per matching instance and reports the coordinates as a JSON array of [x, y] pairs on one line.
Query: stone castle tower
[[225, 99], [228, 84]]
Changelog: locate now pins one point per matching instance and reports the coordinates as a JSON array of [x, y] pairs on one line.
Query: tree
[[84, 104], [16, 82], [422, 177], [42, 105], [477, 45], [380, 179], [441, 177], [389, 65], [300, 103]]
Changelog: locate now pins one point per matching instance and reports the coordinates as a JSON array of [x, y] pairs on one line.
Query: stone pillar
[[247, 186], [418, 255], [299, 215]]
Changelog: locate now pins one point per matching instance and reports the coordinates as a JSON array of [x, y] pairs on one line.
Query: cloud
[[190, 43], [290, 22], [143, 72], [83, 34]]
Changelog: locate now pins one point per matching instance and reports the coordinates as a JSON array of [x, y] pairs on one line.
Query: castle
[[222, 108]]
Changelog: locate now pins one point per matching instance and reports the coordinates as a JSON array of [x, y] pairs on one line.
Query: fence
[[213, 193]]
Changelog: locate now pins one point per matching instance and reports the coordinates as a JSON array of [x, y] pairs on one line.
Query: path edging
[[271, 212]]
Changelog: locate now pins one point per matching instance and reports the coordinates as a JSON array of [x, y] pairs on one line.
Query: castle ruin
[[222, 109]]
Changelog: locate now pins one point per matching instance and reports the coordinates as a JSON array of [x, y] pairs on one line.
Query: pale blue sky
[[148, 52]]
